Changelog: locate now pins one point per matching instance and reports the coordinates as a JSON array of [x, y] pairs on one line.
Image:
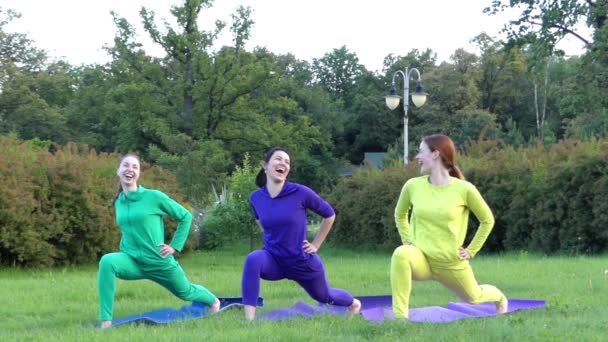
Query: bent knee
[[255, 260], [404, 252], [107, 261]]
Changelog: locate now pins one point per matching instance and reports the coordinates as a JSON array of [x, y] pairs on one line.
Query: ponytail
[[455, 172], [260, 179], [117, 193]]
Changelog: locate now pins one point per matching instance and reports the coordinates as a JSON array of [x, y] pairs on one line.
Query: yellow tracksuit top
[[439, 219]]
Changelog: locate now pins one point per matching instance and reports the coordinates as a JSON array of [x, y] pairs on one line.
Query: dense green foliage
[[364, 205], [56, 208], [229, 221], [198, 109], [545, 23], [545, 199]]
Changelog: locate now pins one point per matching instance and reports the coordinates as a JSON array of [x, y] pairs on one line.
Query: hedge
[[56, 208], [551, 200]]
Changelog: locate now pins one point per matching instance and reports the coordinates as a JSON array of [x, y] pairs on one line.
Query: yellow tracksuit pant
[[409, 263]]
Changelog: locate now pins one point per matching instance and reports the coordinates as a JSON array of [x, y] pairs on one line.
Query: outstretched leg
[[462, 282], [175, 280], [407, 263], [314, 281]]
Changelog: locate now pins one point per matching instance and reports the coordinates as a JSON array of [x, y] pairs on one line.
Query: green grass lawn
[[61, 304]]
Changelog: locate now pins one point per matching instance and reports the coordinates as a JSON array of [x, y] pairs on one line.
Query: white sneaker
[[502, 307]]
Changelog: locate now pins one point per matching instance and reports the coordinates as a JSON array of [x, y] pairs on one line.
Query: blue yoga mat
[[379, 308], [168, 315]]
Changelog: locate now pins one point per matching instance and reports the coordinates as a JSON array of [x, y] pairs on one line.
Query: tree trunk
[[538, 127], [188, 87], [542, 119]]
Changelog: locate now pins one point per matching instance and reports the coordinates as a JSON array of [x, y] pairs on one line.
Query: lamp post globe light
[[418, 98]]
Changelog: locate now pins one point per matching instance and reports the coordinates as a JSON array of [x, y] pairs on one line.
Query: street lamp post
[[418, 98]]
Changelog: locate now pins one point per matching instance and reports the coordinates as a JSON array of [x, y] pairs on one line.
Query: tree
[[545, 23], [196, 99], [180, 106], [291, 68], [423, 61], [370, 125], [17, 51], [452, 88], [338, 72], [474, 125], [492, 63], [541, 113], [542, 24], [28, 115], [91, 115], [33, 92]]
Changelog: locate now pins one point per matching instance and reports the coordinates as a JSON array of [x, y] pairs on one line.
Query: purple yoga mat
[[378, 308]]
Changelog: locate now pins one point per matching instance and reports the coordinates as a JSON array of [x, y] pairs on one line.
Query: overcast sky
[[76, 30]]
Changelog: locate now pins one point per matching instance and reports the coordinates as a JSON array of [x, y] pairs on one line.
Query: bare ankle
[[502, 307], [355, 307], [215, 307], [249, 312]]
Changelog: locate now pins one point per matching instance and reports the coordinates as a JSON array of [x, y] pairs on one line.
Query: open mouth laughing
[[129, 176]]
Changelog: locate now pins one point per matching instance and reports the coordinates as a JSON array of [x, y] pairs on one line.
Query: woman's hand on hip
[[464, 253], [166, 250], [309, 248]]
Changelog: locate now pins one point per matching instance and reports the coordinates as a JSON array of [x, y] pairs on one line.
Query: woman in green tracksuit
[[143, 251]]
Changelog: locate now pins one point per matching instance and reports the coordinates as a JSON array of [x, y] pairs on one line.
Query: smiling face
[[277, 168], [128, 172], [426, 158]]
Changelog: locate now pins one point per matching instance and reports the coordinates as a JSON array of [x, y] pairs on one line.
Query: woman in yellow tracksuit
[[432, 249]]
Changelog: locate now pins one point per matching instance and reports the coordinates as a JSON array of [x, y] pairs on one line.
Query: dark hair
[[445, 146], [260, 179], [120, 162]]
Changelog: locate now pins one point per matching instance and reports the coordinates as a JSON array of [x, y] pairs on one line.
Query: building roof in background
[[370, 158]]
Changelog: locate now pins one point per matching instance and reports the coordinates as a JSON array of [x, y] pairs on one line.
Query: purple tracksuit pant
[[309, 273]]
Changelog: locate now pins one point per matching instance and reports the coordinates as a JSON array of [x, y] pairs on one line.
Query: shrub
[[56, 209], [229, 219], [23, 195], [364, 205], [544, 199]]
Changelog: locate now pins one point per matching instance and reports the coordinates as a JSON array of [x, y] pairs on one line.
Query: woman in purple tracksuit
[[279, 207]]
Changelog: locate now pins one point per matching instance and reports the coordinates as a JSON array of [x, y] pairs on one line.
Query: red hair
[[445, 146]]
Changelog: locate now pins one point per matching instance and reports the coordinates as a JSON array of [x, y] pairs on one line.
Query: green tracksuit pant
[[171, 276]]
